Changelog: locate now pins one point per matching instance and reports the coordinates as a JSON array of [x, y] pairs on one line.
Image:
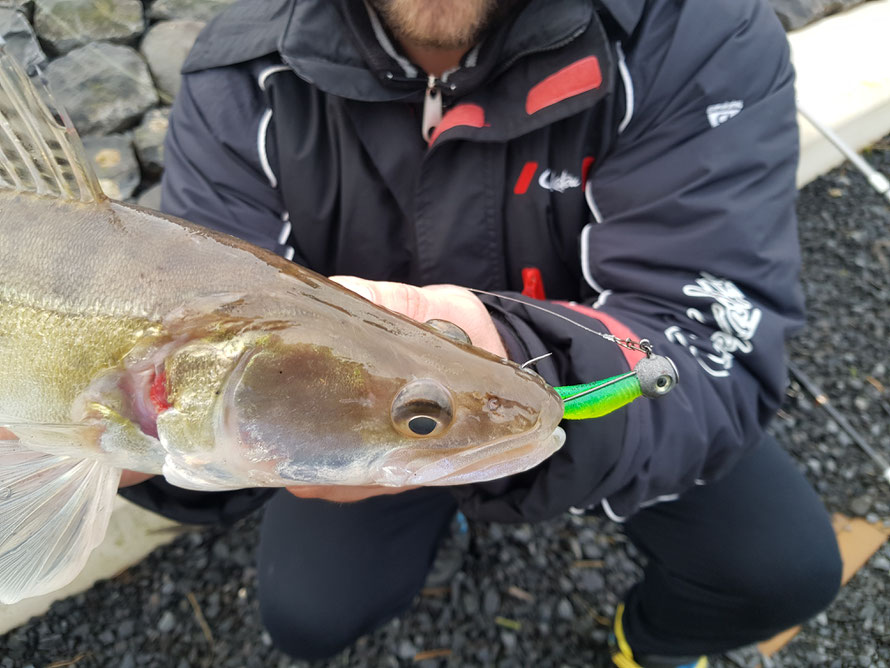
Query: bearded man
[[629, 162]]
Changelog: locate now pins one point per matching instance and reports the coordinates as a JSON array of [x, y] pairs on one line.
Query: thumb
[[408, 300], [359, 286]]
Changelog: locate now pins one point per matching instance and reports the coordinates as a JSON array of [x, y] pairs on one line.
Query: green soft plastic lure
[[653, 376]]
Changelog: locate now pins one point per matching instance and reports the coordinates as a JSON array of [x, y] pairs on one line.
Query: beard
[[440, 24]]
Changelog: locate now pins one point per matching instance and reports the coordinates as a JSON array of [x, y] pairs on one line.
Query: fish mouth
[[496, 459]]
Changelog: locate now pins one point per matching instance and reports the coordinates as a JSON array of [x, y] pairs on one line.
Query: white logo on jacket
[[720, 113], [732, 313], [558, 182]]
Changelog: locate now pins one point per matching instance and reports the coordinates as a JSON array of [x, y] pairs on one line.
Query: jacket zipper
[[432, 108]]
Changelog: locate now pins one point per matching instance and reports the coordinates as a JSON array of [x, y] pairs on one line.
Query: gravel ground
[[543, 595]]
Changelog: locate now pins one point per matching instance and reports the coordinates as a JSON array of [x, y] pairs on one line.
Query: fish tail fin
[[53, 511], [40, 151]]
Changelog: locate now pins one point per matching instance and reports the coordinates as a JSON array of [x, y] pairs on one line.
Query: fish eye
[[422, 408], [422, 425]]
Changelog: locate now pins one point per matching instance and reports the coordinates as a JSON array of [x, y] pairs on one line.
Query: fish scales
[[69, 256]]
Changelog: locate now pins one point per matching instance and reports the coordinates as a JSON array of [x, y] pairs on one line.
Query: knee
[[310, 626], [305, 634], [786, 592]]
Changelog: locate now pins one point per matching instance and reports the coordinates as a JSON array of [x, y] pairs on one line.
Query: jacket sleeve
[[217, 171], [214, 176], [694, 247]]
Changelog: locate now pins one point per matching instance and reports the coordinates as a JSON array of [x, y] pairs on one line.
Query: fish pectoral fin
[[53, 511], [53, 439]]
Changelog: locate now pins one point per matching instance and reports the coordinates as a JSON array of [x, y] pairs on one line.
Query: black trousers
[[729, 563]]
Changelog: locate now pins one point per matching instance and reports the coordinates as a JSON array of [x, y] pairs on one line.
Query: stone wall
[[114, 66], [796, 14]]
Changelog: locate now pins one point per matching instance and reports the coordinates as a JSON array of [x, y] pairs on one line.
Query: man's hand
[[343, 493], [440, 302], [129, 478]]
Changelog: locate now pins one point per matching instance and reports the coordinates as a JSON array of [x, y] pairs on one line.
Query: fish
[[133, 340]]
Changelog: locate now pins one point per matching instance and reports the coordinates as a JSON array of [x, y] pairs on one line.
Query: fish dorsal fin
[[38, 154]]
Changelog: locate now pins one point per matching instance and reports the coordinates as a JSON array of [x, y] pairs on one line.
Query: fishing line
[[534, 360], [652, 376], [642, 346]]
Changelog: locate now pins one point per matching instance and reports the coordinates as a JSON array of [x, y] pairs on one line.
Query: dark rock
[[406, 649], [491, 603], [105, 88], [192, 10], [880, 562], [795, 14], [52, 641], [148, 137], [564, 609], [861, 505], [591, 580], [68, 24], [21, 41], [523, 533], [126, 628], [221, 550], [114, 162], [167, 622], [165, 47], [470, 603], [591, 549]]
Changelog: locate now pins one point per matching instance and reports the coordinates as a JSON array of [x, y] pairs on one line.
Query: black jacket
[[640, 155]]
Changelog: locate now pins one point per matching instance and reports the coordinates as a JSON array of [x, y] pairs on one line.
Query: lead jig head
[[656, 374]]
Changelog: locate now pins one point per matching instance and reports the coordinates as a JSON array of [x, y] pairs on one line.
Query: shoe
[[623, 656], [451, 554]]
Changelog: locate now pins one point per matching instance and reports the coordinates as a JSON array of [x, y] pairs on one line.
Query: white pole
[[877, 180]]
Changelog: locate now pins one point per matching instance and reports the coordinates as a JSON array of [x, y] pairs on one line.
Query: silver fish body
[[133, 340], [272, 374]]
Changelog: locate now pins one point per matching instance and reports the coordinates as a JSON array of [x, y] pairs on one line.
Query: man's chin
[[445, 25]]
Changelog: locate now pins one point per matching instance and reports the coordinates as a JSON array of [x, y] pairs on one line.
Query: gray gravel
[[542, 595]]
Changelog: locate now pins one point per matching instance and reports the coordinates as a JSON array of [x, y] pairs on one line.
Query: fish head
[[349, 406]]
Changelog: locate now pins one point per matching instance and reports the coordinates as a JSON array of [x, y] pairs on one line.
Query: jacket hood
[[341, 47], [361, 62]]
